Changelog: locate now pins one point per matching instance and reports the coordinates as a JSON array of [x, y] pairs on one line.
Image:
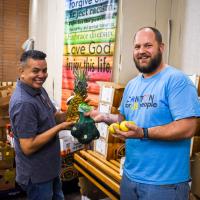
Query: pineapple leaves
[[80, 93]]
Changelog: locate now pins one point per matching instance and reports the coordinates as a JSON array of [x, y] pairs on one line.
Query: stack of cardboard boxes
[[195, 164], [68, 145], [7, 170], [6, 89], [195, 149], [109, 100]]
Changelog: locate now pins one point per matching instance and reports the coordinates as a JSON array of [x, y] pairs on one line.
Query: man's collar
[[28, 89]]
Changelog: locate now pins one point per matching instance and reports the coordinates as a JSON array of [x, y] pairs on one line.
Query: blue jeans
[[130, 190], [44, 191]]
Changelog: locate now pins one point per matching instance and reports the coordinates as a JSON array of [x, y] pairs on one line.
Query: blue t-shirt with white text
[[156, 101]]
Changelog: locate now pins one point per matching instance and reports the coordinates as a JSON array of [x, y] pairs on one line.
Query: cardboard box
[[65, 134], [198, 129], [68, 143], [3, 135], [7, 179], [4, 107], [103, 129], [6, 84], [109, 101], [195, 174], [104, 107], [109, 150], [107, 108], [6, 89], [111, 93], [122, 160], [196, 80], [4, 119], [104, 133], [6, 156], [4, 101], [10, 135], [196, 145], [4, 114]]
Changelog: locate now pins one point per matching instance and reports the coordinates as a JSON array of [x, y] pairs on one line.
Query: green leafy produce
[[84, 107], [85, 130]]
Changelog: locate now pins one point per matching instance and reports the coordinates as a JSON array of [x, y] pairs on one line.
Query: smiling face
[[34, 73], [147, 53]]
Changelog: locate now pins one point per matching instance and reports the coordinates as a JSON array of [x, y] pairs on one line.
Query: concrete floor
[[71, 191], [72, 196]]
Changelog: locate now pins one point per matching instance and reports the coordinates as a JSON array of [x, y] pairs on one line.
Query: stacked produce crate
[[7, 170], [109, 100], [68, 145]]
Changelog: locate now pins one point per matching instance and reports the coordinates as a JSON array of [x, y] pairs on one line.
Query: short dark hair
[[34, 54], [157, 33]]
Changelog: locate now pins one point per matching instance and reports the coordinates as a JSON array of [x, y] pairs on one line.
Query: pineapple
[[80, 93]]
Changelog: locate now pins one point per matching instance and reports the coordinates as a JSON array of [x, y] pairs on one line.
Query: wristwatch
[[146, 133]]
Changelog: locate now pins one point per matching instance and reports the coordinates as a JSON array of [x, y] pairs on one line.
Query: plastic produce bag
[[85, 130]]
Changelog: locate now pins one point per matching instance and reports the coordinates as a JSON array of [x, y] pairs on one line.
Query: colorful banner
[[89, 42]]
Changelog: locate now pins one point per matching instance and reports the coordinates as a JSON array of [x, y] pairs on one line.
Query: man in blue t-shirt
[[35, 124], [164, 105]]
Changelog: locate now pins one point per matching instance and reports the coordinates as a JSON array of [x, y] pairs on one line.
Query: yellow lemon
[[111, 129], [123, 126]]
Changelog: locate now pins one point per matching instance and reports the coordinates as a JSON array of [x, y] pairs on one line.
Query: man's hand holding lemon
[[123, 130], [126, 129]]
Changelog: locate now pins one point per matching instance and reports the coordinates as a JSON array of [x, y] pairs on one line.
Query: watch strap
[[146, 133]]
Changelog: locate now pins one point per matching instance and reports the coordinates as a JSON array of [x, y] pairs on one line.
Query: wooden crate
[[101, 172]]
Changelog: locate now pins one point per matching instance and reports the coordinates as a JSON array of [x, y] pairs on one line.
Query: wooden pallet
[[101, 172]]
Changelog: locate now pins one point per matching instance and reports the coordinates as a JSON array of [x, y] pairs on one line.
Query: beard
[[152, 66]]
